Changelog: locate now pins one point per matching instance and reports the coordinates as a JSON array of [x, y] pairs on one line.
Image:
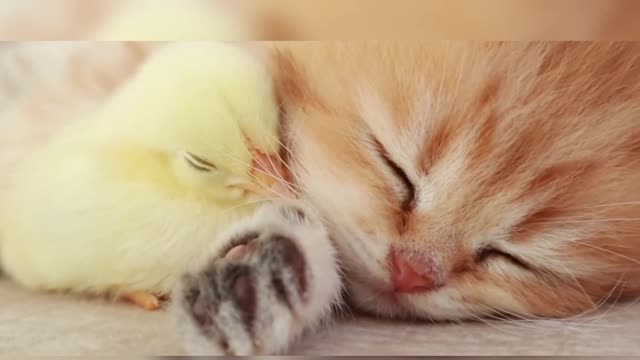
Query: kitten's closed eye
[[409, 196], [488, 252]]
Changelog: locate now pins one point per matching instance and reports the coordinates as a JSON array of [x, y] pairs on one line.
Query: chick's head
[[211, 109]]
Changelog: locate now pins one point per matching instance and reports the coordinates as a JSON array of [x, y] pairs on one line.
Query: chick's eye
[[199, 163], [488, 253]]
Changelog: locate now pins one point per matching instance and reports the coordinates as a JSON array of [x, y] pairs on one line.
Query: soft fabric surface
[[39, 324]]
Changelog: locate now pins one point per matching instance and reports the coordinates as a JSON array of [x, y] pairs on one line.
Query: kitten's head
[[461, 179]]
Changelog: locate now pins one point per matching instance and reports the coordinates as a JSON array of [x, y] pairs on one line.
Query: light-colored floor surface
[[37, 324]]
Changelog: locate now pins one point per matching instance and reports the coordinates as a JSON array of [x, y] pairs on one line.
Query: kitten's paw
[[274, 277]]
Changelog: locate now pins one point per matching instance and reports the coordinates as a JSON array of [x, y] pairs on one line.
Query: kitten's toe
[[220, 304], [286, 267]]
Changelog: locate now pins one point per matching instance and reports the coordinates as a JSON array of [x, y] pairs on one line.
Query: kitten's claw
[[274, 277], [143, 299]]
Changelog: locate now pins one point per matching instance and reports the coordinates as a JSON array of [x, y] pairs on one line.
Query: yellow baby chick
[[123, 202]]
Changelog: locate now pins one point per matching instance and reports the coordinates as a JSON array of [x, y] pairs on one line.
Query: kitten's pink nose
[[411, 273]]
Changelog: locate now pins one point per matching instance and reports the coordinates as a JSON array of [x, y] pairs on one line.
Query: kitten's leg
[[274, 277]]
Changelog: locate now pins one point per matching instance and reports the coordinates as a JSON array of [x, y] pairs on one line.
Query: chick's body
[[126, 200]]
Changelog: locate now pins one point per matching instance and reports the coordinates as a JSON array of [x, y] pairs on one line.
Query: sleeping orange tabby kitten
[[455, 180], [448, 180]]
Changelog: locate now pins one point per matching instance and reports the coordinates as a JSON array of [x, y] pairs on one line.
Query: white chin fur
[[443, 304]]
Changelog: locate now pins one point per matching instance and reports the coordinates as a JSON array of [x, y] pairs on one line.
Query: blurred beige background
[[354, 19]]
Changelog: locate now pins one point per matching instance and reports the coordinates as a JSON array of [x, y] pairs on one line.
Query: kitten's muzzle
[[412, 271]]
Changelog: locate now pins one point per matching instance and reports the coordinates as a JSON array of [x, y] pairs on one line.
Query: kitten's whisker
[[601, 303], [492, 316], [615, 302], [490, 323], [278, 179], [247, 204], [286, 148], [290, 154], [568, 275], [606, 251], [536, 322], [506, 320], [289, 186], [263, 186], [626, 203], [561, 222]]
